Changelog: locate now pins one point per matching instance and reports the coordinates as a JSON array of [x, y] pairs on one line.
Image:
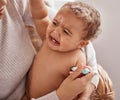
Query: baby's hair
[[89, 15]]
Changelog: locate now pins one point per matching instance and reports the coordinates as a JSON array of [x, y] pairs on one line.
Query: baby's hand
[[2, 5]]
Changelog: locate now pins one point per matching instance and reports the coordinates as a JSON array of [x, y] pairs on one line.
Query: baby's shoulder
[[81, 57]]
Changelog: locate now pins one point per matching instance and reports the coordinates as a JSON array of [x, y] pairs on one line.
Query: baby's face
[[2, 5], [65, 32]]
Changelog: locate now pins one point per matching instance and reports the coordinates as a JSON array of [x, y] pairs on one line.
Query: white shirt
[[16, 50]]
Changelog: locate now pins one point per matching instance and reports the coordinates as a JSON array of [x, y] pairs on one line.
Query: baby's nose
[[56, 34]]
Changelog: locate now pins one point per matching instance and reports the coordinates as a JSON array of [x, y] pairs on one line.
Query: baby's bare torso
[[50, 68]]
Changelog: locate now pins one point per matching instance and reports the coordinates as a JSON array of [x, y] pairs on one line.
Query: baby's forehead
[[67, 15], [60, 14], [70, 22]]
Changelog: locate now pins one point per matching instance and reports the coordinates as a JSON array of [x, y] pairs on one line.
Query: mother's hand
[[72, 85]]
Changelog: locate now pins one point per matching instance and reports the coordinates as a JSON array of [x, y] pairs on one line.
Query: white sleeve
[[91, 61], [50, 96]]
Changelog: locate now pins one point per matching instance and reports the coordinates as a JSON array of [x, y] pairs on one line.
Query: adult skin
[[2, 4]]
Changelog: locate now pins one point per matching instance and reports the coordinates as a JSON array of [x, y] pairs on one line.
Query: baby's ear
[[83, 43]]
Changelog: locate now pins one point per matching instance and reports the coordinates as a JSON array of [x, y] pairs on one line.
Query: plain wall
[[107, 44]]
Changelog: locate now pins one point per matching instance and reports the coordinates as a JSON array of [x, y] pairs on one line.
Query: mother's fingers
[[76, 73], [87, 78]]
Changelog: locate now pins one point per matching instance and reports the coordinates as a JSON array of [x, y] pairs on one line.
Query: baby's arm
[[40, 16]]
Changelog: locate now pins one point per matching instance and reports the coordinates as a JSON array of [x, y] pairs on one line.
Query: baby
[[72, 28]]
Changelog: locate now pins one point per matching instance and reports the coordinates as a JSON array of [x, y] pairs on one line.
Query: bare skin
[[56, 66], [2, 5]]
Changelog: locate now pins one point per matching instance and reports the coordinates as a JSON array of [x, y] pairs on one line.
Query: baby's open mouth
[[54, 41]]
